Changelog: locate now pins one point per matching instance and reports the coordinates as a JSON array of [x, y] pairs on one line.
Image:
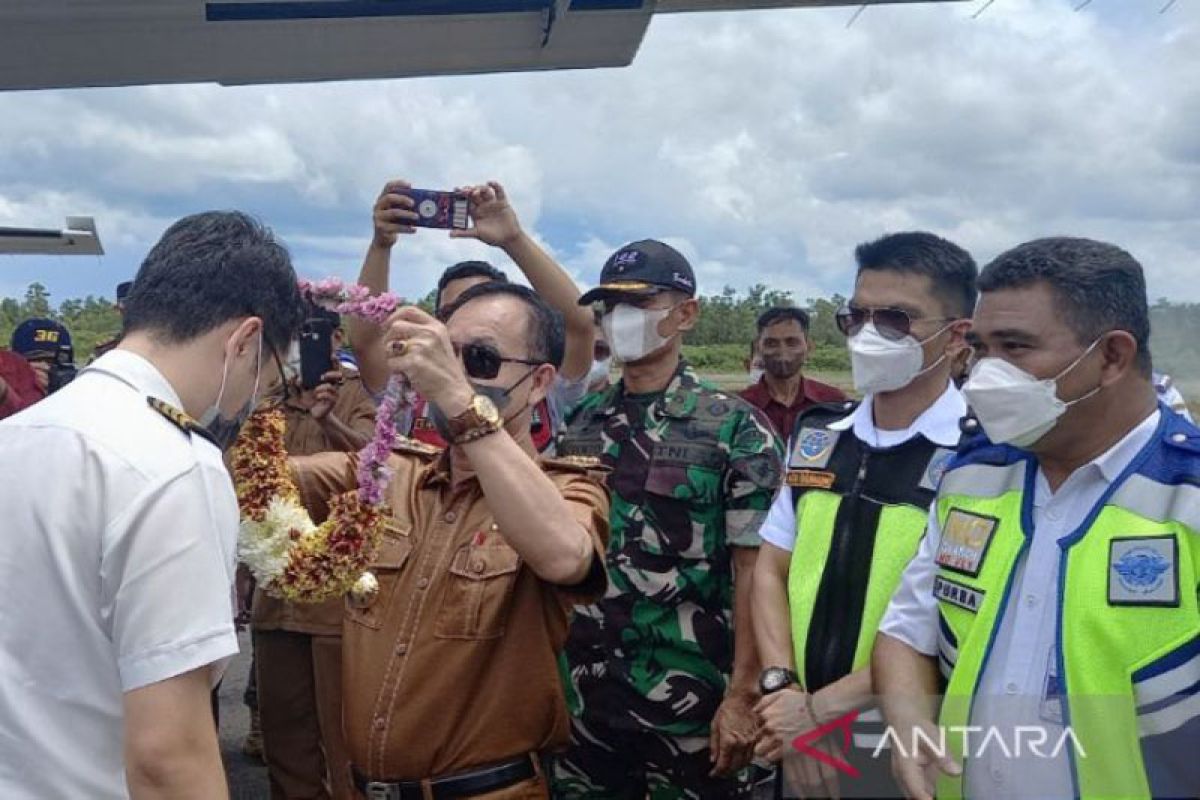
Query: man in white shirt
[[1055, 587], [859, 483], [120, 526]]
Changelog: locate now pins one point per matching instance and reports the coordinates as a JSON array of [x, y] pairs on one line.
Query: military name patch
[[1143, 571], [584, 448], [688, 455], [810, 479], [956, 594], [965, 541], [936, 468], [813, 448]]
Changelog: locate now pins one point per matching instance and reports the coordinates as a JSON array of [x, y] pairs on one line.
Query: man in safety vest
[[860, 479], [1056, 589]]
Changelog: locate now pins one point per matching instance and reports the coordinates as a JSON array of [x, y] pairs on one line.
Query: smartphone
[[316, 351], [438, 209], [62, 370]]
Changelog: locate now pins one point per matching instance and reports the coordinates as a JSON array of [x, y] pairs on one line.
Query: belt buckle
[[381, 791]]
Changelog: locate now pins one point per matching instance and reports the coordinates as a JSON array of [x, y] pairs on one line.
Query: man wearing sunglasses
[[860, 479], [494, 222], [1056, 588], [451, 683], [663, 668]]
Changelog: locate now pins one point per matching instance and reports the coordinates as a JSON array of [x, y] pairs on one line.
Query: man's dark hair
[[546, 331], [782, 314], [950, 269], [467, 269], [210, 268], [1098, 287]]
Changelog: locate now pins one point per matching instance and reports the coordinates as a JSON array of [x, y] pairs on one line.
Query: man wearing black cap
[[663, 670], [122, 292]]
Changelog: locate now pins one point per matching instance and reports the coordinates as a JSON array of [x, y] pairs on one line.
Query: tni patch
[[1143, 571], [966, 538]]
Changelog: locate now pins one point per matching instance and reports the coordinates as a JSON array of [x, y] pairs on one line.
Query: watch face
[[486, 409], [774, 679]]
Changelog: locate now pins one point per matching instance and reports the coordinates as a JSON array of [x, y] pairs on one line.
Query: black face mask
[[499, 396]]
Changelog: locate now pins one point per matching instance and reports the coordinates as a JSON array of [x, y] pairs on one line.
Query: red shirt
[[784, 417], [23, 390]]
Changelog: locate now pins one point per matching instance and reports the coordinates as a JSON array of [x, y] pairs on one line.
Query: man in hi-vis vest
[[1056, 590], [860, 480]]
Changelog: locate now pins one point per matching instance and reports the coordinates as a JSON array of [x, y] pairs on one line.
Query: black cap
[[123, 290], [642, 268]]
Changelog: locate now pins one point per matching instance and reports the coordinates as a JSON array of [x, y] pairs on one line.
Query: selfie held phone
[[316, 351], [438, 209]]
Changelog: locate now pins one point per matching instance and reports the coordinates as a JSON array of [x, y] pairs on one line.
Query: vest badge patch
[[810, 479], [957, 594], [965, 541], [936, 468], [1143, 571], [813, 448]]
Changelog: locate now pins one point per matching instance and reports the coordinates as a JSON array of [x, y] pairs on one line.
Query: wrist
[[382, 244], [515, 242], [455, 400]]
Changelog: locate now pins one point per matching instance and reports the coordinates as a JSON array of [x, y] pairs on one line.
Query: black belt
[[478, 781]]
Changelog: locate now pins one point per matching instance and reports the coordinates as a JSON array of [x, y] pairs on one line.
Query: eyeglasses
[[892, 323], [483, 361]]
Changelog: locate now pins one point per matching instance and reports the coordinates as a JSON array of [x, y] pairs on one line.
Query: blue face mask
[[224, 430]]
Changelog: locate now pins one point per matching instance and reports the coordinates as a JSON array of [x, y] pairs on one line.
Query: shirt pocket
[[683, 500], [478, 591], [387, 567]]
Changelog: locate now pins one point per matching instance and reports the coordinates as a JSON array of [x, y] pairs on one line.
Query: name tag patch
[[965, 541], [813, 448], [810, 479], [936, 469], [956, 594], [1143, 571]]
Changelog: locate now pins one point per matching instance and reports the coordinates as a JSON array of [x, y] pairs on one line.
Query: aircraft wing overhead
[[71, 43]]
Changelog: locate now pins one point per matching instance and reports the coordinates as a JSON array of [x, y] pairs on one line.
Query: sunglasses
[[892, 323], [483, 361]]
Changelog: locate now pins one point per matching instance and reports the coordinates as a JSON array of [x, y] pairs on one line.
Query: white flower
[[265, 547]]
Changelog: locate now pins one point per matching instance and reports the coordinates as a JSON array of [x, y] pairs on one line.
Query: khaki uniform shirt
[[306, 436], [454, 664]]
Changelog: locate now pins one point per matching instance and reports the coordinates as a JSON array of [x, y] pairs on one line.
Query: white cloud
[[766, 144]]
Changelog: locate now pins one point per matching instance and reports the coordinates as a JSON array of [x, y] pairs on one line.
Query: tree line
[[719, 343]]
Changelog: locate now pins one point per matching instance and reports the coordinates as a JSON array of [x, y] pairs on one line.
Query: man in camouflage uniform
[[662, 671]]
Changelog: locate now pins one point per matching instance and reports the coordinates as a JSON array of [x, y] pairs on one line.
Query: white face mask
[[224, 430], [880, 364], [1013, 406], [632, 332], [291, 367]]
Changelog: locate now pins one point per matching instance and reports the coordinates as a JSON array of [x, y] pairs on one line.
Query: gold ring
[[399, 347]]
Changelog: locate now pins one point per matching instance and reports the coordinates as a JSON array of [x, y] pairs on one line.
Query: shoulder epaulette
[[179, 419], [584, 465], [821, 414], [403, 444]]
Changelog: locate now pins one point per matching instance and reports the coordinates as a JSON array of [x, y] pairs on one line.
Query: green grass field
[[734, 382]]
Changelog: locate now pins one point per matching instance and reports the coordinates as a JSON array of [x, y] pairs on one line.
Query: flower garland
[[291, 557]]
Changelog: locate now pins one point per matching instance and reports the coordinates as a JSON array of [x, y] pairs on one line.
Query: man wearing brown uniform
[[298, 647], [450, 668]]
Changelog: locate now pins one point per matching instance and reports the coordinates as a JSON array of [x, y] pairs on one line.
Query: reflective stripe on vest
[[1128, 618]]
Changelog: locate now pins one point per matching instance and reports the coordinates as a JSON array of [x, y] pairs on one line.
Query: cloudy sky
[[764, 144]]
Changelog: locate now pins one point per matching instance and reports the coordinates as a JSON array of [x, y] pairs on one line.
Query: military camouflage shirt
[[692, 477]]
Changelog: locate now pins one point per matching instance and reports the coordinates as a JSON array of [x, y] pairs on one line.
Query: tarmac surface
[[247, 777]]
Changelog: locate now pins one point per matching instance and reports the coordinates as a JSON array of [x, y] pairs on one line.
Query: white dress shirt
[[938, 424], [1012, 689], [117, 553]]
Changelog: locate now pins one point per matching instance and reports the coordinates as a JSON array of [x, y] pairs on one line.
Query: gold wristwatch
[[479, 420]]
